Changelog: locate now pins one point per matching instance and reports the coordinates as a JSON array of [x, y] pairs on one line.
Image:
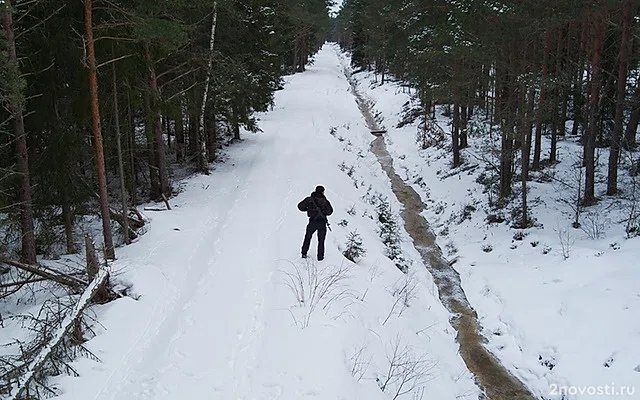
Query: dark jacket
[[317, 207]]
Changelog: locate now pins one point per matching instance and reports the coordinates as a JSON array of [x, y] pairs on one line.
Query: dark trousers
[[312, 227]]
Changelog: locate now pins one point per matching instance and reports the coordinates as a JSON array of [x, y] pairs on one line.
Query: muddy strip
[[493, 379]]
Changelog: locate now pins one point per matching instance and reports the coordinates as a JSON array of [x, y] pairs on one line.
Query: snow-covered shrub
[[407, 372], [566, 242], [451, 248], [594, 224], [315, 288], [354, 249], [430, 134], [466, 213], [358, 362], [405, 290], [496, 218], [350, 171], [487, 248], [519, 235]]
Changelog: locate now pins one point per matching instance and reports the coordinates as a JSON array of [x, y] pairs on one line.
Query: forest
[[526, 69], [108, 105], [103, 101]]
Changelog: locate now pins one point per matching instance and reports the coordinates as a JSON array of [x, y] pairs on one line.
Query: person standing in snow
[[318, 208]]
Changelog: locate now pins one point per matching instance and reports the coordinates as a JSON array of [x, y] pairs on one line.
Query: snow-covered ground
[[559, 306], [216, 278]]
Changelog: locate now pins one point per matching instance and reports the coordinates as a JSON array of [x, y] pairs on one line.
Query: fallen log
[[69, 322], [134, 224], [47, 273]]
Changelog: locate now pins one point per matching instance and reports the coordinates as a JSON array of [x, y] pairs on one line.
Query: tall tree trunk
[[455, 134], [235, 120], [508, 118], [464, 116], [537, 150], [133, 172], [212, 136], [621, 90], [558, 123], [569, 59], [67, 215], [596, 78], [180, 136], [160, 153], [97, 131], [578, 98], [526, 151], [294, 61], [203, 157], [167, 127], [193, 131], [154, 183], [16, 104], [123, 189]]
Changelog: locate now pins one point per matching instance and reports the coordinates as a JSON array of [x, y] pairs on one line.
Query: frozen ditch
[[496, 382]]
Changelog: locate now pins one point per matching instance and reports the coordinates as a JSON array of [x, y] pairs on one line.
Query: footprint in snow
[[609, 362]]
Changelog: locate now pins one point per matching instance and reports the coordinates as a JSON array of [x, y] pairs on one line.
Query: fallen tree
[[58, 326], [46, 273], [69, 322]]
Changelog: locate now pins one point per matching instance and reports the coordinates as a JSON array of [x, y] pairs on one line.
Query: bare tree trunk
[[623, 62], [212, 135], [16, 104], [507, 118], [543, 98], [235, 120], [123, 190], [133, 174], [97, 131], [464, 116], [203, 157], [160, 154], [167, 127], [527, 126], [154, 183], [296, 56], [590, 142], [578, 98], [163, 175], [455, 134], [193, 132], [180, 136], [67, 214], [558, 123]]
